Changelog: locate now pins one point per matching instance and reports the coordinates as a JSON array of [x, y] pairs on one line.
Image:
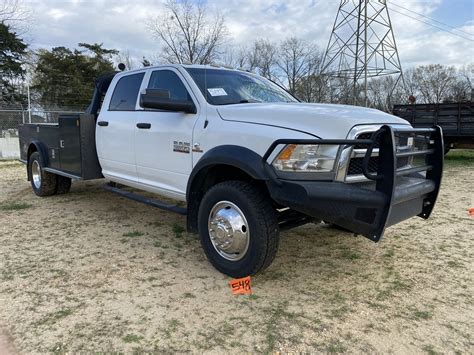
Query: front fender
[[239, 157], [234, 156]]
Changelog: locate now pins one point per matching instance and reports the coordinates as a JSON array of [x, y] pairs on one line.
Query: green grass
[[429, 349], [459, 157], [178, 230], [131, 338], [349, 254], [55, 316], [133, 234], [14, 206], [422, 315], [335, 347]]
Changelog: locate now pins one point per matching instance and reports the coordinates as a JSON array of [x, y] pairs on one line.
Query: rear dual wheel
[[45, 183]]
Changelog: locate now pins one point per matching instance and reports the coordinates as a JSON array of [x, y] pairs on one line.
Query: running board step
[[148, 201]]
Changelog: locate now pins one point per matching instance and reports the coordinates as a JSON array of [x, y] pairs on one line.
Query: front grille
[[355, 165], [366, 135]]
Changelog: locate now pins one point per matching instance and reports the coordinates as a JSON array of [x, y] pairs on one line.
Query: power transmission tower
[[362, 45]]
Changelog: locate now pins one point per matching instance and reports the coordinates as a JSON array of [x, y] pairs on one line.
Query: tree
[[12, 52], [64, 78], [187, 34], [262, 57], [383, 94], [434, 82], [15, 15], [296, 59], [462, 90]]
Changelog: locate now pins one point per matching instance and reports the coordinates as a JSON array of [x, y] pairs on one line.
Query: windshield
[[225, 87]]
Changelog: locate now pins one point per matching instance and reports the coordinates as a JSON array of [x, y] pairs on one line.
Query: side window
[[125, 93], [168, 80]]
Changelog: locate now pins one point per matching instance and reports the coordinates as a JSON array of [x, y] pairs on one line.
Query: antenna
[[362, 45]]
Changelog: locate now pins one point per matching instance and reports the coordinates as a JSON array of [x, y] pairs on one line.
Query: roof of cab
[[197, 66]]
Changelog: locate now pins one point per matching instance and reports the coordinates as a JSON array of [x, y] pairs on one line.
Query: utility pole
[[362, 46]]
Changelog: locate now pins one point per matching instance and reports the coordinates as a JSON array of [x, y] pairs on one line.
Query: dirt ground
[[92, 272]]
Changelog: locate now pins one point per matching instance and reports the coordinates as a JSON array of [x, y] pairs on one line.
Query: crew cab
[[246, 157]]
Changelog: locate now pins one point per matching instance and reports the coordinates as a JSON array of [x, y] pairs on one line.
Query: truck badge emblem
[[181, 147]]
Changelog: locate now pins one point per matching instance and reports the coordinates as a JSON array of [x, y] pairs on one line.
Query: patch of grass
[[455, 264], [14, 206], [340, 312], [132, 338], [6, 275], [55, 316], [389, 253], [178, 230], [172, 327], [458, 157], [349, 254], [335, 347], [58, 348], [188, 295], [133, 234], [422, 315], [429, 349]]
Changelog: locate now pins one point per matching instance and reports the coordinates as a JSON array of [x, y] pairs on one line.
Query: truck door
[[163, 139], [115, 130]]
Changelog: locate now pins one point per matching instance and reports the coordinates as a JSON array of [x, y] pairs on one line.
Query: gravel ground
[[91, 271]]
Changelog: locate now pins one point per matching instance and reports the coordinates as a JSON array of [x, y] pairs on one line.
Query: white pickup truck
[[247, 157]]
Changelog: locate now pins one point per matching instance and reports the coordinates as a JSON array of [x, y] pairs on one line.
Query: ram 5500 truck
[[247, 157]]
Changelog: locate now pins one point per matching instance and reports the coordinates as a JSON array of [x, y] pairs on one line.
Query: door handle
[[144, 125], [103, 123]]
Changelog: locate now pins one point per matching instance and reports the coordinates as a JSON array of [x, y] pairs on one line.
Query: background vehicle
[[456, 120], [248, 159]]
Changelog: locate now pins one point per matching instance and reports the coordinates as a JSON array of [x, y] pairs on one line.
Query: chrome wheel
[[36, 174], [228, 230]]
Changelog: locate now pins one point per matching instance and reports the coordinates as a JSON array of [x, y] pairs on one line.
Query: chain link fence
[[10, 119], [9, 122]]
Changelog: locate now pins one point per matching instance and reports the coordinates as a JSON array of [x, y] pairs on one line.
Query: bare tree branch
[[187, 34], [14, 14]]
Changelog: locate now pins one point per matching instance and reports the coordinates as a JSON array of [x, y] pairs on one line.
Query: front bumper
[[388, 197]]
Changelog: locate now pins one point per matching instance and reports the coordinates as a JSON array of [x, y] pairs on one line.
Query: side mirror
[[160, 99]]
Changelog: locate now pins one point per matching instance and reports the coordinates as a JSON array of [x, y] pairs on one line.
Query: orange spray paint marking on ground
[[471, 212], [241, 286]]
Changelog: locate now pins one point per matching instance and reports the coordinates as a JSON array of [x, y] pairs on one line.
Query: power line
[[430, 24], [432, 19]]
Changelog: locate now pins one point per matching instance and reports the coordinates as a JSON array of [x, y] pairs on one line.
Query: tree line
[[64, 77]]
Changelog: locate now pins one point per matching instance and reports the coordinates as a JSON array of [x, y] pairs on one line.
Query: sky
[[122, 25]]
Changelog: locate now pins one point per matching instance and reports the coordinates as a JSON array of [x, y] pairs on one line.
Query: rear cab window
[[126, 92]]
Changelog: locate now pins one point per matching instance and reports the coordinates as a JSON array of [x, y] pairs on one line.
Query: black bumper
[[388, 197]]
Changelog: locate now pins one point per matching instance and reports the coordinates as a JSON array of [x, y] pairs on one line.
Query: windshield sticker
[[217, 92]]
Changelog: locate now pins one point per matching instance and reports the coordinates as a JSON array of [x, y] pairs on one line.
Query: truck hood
[[322, 120]]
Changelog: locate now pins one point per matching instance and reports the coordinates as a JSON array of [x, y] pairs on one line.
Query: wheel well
[[208, 177], [31, 149]]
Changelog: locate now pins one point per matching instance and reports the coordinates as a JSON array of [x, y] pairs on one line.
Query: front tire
[[238, 228], [42, 182]]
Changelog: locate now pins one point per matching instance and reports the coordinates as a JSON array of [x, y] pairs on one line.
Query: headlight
[[306, 158]]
